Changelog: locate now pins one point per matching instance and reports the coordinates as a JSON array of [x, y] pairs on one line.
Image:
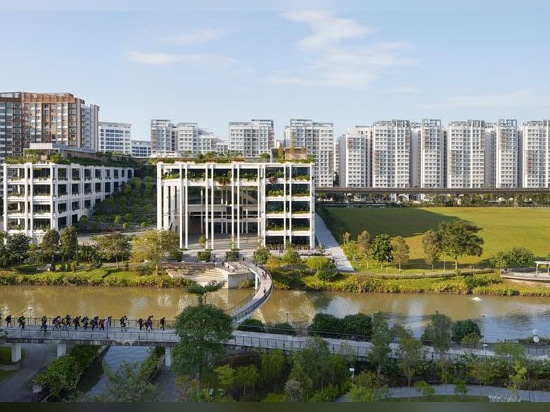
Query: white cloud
[[326, 29], [160, 59], [339, 55], [157, 59], [196, 37]]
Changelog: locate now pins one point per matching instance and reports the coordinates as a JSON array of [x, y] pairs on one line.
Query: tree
[[17, 246], [203, 330], [114, 246], [462, 328], [4, 252], [378, 356], [126, 384], [412, 353], [50, 243], [201, 291], [153, 246], [382, 249], [431, 244], [88, 253], [261, 254], [459, 238], [438, 335], [311, 366], [273, 364], [68, 243], [400, 251], [291, 257], [246, 377], [364, 245]]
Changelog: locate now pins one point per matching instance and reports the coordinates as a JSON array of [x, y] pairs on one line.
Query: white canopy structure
[[543, 262]]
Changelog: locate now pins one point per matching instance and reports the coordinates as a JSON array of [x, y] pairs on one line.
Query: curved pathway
[[18, 386]]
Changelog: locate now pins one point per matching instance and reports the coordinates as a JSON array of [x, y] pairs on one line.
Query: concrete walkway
[[18, 386], [325, 238]]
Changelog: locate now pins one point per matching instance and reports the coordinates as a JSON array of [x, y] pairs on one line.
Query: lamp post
[[352, 371], [287, 316]]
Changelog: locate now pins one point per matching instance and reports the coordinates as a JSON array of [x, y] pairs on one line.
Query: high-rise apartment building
[[391, 141], [45, 118], [318, 140], [535, 153], [506, 150], [115, 137], [429, 149], [251, 139], [354, 157], [163, 138], [469, 154]]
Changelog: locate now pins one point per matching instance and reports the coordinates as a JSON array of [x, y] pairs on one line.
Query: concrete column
[[61, 349], [15, 352], [168, 356]]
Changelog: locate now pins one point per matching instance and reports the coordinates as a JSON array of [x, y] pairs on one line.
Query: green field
[[502, 228]]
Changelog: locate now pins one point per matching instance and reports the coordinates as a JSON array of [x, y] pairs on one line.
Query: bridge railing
[[33, 333]]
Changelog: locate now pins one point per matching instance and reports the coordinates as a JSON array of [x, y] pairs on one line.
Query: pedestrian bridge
[[132, 336]]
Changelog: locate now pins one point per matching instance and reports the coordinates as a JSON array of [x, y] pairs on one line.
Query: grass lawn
[[502, 228]]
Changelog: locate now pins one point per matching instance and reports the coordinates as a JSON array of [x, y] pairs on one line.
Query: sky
[[349, 62]]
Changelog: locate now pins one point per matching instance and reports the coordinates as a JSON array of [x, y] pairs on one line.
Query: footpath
[[18, 386], [325, 238]]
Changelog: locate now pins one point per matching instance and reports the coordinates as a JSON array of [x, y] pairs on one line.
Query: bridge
[[132, 336]]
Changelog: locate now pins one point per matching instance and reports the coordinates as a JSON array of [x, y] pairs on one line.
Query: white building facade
[[273, 202], [318, 140], [141, 149], [44, 195], [469, 154], [251, 139], [535, 153], [507, 154], [391, 142], [115, 137]]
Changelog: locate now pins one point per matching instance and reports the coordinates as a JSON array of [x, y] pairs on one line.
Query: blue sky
[[347, 62]]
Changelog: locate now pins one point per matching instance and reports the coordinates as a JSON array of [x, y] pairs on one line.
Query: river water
[[499, 317]]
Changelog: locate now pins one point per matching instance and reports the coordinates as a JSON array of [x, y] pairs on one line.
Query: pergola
[[543, 262]]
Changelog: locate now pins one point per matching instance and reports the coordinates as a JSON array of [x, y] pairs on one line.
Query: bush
[[204, 255]]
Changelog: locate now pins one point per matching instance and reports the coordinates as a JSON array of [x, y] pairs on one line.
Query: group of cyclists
[[84, 322]]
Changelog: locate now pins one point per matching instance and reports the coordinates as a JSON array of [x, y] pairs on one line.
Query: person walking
[[140, 323], [22, 320], [44, 324], [8, 321], [162, 323], [123, 320]]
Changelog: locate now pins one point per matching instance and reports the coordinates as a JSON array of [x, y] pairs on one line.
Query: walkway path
[[18, 386], [325, 238]]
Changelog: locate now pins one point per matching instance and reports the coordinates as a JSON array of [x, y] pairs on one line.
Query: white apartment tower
[[535, 153], [251, 139], [391, 141], [354, 152], [191, 140], [506, 154], [141, 149], [431, 142], [469, 154], [115, 137], [163, 138], [318, 140], [90, 127]]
